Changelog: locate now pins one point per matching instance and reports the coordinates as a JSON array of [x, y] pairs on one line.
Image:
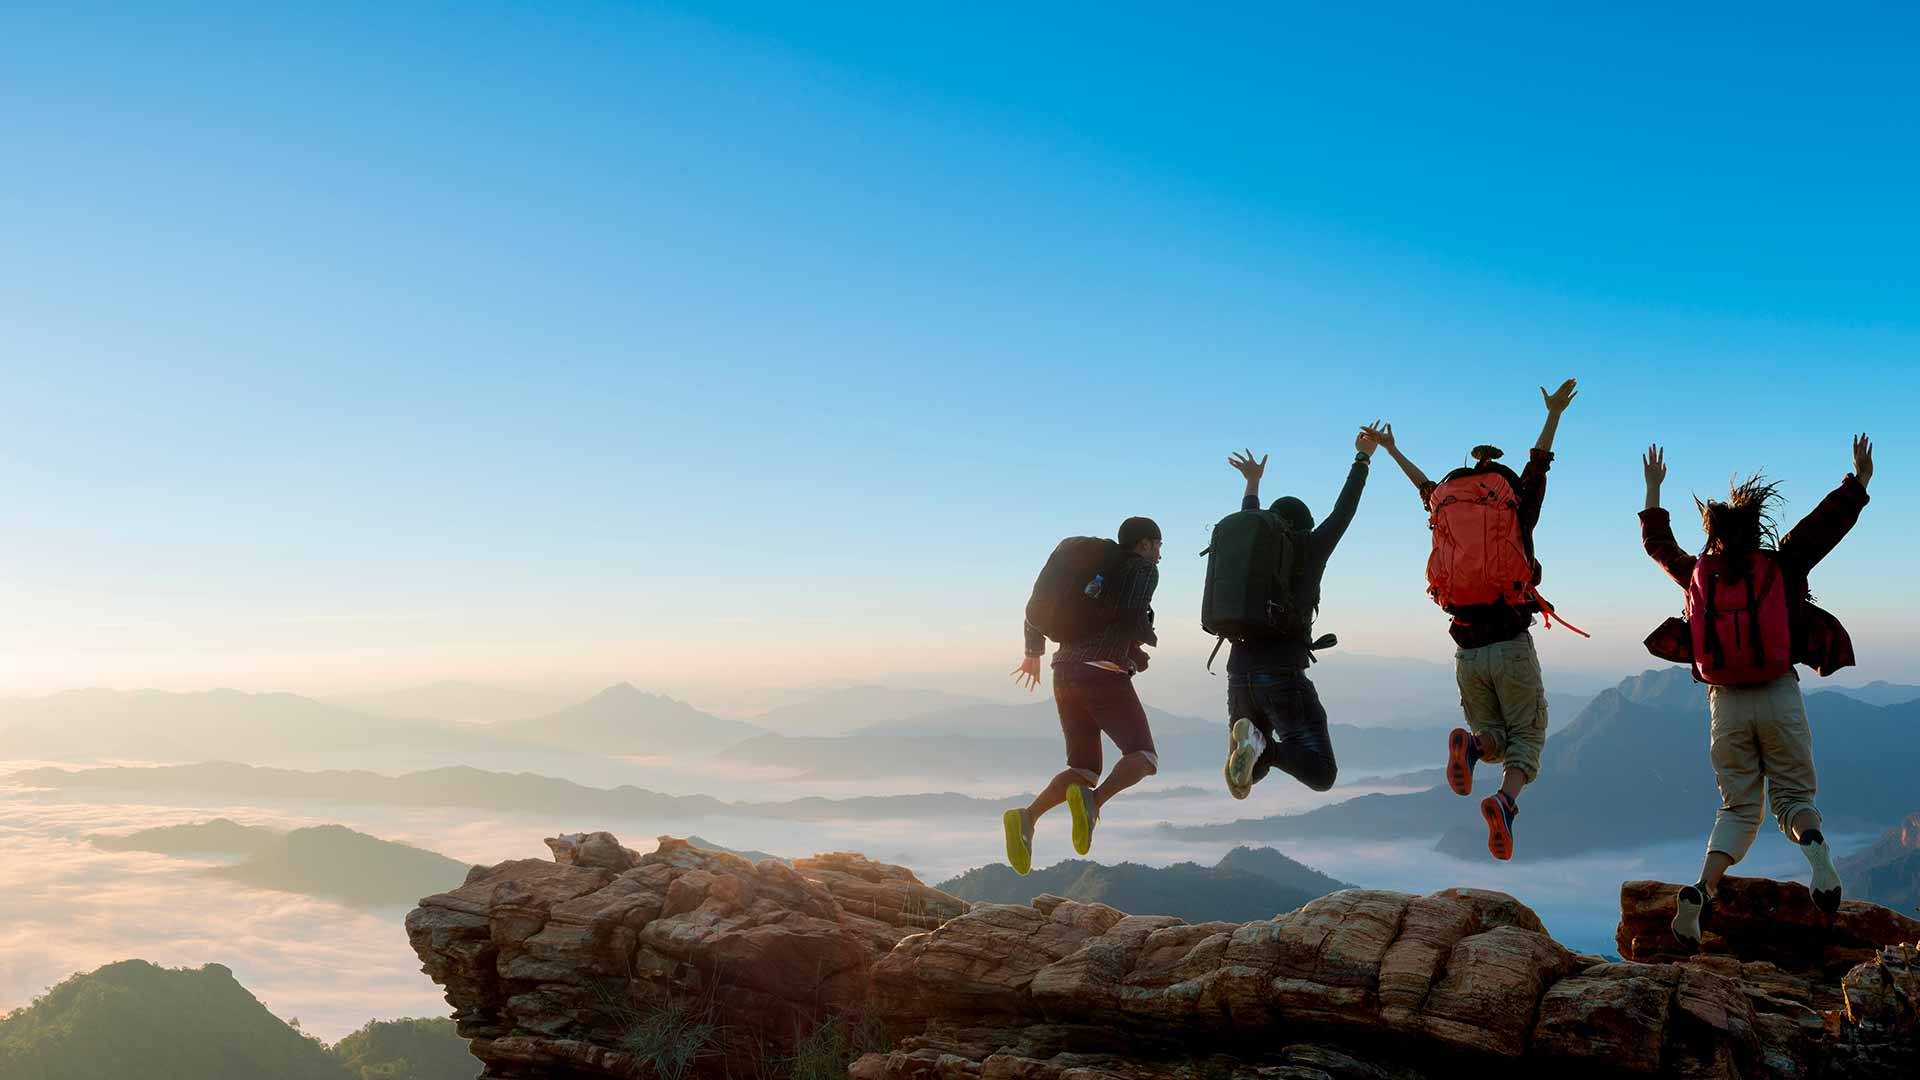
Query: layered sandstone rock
[[552, 968]]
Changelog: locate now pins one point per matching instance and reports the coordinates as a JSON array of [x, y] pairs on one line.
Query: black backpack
[[1249, 590], [1067, 605]]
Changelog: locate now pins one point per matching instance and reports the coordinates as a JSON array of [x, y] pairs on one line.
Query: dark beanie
[[1135, 529], [1294, 513]]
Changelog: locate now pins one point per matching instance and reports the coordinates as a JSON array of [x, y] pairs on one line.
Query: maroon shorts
[[1097, 701]]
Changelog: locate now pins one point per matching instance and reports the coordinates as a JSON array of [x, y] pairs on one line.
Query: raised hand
[[1654, 461], [1380, 432], [1248, 467], [1365, 442], [1558, 401], [1862, 458], [1027, 675]]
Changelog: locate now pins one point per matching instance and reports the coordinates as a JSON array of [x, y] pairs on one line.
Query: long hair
[[1743, 524]]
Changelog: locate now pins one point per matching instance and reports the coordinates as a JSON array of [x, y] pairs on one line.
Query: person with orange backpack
[[1749, 620], [1483, 574]]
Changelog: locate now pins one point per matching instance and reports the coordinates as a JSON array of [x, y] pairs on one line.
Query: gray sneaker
[[1826, 879], [1688, 908]]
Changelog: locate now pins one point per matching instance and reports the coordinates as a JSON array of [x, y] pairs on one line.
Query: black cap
[[1135, 529]]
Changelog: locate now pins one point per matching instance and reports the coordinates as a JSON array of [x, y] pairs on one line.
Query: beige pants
[[1504, 701], [1761, 746]]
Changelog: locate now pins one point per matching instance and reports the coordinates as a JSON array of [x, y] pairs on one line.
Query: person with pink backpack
[[1749, 620]]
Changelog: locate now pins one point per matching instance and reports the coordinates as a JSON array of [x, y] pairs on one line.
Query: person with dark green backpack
[[1262, 593]]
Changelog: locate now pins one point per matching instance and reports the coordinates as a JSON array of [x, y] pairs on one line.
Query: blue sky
[[356, 343]]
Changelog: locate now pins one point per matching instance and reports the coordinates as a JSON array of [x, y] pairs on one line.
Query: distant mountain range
[[623, 719], [859, 708], [1631, 769], [1881, 692], [1249, 884], [328, 861], [134, 1019], [1887, 872], [462, 786], [453, 701]]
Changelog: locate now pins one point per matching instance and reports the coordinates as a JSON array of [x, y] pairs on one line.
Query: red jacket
[[1819, 641]]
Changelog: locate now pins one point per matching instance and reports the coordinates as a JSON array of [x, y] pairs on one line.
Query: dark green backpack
[[1249, 591]]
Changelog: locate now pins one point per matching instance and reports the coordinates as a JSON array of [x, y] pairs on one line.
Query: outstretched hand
[[1380, 432], [1248, 467], [1655, 463], [1366, 441], [1027, 675], [1862, 458], [1558, 401]]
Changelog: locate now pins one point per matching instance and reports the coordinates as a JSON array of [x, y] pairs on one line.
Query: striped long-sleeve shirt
[[1115, 642]]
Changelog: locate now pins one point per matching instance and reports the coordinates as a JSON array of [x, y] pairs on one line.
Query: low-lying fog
[[67, 906]]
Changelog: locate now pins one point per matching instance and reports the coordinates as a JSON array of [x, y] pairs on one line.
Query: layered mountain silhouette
[[328, 861], [1249, 884], [135, 1019], [1888, 871], [1631, 769], [875, 709], [623, 719], [453, 701], [463, 786]]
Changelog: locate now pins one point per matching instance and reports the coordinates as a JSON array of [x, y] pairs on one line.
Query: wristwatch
[[1361, 459]]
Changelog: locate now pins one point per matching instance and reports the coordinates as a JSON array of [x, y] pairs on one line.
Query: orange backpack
[[1479, 550]]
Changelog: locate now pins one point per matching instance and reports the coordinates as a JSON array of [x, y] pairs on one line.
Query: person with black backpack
[[1094, 598], [1483, 574], [1262, 592], [1749, 619]]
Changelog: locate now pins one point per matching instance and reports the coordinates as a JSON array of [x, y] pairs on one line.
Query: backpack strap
[[1219, 641], [1753, 611], [1712, 629], [1547, 613]]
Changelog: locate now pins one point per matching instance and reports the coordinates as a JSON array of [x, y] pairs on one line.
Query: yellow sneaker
[[1019, 842], [1085, 813]]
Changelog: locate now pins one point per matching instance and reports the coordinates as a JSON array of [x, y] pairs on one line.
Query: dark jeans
[[1287, 710]]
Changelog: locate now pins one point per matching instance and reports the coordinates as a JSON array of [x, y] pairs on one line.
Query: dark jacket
[[1488, 624], [1819, 641], [1118, 641], [1310, 554]]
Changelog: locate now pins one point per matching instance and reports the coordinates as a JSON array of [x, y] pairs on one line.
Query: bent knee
[[1148, 760], [1321, 780]]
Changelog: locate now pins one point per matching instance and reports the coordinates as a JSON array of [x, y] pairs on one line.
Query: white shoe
[[1687, 909], [1826, 879], [1245, 745]]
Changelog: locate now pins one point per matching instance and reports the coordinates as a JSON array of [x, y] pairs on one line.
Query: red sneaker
[[1463, 752], [1499, 812]]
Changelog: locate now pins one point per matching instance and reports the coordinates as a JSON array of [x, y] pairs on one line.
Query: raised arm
[[1329, 532], [1382, 434], [1656, 529], [1557, 403], [1252, 470], [1821, 531]]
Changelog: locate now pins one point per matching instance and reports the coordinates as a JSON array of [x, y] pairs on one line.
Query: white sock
[[1259, 743]]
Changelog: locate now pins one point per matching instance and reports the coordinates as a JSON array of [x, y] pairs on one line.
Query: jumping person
[[1094, 597], [1750, 619], [1274, 715], [1483, 574]]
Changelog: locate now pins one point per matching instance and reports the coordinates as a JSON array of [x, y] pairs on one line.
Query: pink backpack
[[1741, 636]]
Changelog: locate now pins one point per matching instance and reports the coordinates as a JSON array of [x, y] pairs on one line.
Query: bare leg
[[1804, 822], [1128, 771], [1715, 868], [1055, 792], [1512, 779]]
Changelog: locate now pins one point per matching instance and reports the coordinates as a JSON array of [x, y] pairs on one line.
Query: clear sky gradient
[[348, 344]]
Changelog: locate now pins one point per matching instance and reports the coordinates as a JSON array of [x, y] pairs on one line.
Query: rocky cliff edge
[[684, 963]]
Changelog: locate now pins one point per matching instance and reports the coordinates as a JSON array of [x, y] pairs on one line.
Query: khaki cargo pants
[[1761, 745], [1505, 701]]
